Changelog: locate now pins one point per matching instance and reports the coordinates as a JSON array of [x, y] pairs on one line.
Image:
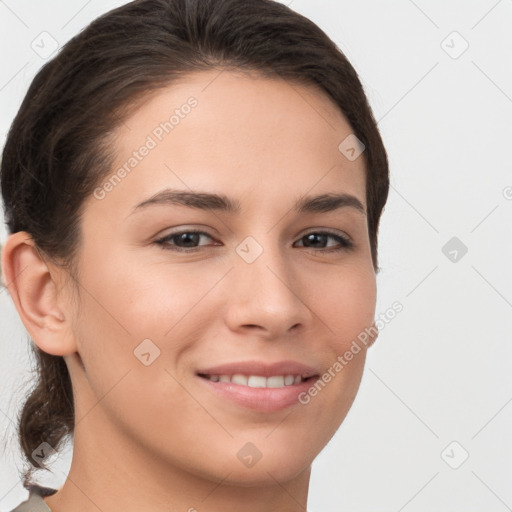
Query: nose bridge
[[264, 263], [265, 291]]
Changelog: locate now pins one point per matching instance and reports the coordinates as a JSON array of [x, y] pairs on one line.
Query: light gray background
[[440, 371]]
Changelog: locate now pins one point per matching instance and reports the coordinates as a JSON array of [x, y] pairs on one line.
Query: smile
[[257, 381], [257, 385]]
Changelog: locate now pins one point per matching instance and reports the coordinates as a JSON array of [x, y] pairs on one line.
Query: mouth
[[259, 386], [258, 381]]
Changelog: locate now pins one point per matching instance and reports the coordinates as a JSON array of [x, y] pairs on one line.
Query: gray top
[[35, 501]]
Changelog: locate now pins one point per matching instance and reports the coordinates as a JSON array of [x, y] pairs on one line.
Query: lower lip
[[259, 399]]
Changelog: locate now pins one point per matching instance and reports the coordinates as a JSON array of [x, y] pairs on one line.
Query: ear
[[33, 286]]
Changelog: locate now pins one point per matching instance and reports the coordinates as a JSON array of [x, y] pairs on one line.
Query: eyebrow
[[219, 202]]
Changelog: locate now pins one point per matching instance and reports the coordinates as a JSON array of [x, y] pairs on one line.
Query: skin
[[153, 437]]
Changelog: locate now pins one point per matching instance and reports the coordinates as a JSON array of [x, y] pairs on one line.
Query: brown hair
[[58, 147]]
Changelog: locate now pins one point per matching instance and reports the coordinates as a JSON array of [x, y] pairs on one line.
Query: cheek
[[125, 302], [345, 302], [346, 307], [123, 316], [137, 298]]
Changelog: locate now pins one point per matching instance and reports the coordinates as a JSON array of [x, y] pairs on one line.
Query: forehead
[[224, 130]]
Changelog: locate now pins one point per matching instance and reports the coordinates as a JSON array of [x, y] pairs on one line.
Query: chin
[[266, 474], [267, 467]]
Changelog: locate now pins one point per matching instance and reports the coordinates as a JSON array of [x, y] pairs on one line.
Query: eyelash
[[345, 243]]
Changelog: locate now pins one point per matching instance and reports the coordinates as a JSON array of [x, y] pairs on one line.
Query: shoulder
[[35, 501]]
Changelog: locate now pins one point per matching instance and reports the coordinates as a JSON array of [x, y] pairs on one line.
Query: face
[[200, 326]]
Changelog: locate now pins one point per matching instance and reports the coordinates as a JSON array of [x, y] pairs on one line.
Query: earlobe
[[34, 292]]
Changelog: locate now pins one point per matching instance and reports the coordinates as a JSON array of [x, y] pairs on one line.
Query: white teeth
[[239, 379], [276, 381], [258, 381], [254, 381]]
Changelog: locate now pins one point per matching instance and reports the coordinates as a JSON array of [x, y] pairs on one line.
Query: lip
[[265, 400]]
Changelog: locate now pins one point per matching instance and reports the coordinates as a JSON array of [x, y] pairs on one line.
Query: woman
[[193, 191]]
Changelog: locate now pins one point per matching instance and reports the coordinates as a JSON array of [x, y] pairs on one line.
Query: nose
[[265, 297]]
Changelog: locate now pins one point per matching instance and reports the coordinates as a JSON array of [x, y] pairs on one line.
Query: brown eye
[[318, 240], [183, 240]]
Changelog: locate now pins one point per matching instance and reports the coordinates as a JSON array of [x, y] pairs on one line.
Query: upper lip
[[264, 369]]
